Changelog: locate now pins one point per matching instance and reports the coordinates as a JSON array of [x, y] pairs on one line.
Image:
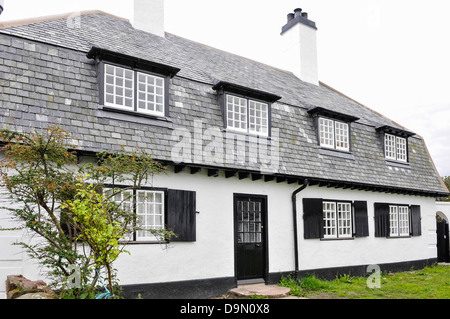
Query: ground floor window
[[334, 219], [149, 211], [398, 220], [337, 218]]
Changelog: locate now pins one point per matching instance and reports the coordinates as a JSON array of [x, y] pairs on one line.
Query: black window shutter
[[416, 221], [381, 220], [361, 220], [181, 214], [312, 218]]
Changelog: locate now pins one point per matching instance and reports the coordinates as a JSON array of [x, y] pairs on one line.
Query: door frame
[[264, 233]]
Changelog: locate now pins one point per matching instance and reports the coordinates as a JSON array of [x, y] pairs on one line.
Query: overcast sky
[[391, 55]]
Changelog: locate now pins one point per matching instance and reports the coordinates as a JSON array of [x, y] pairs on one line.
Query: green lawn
[[428, 283]]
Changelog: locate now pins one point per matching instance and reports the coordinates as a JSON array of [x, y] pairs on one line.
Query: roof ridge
[[231, 53], [20, 22]]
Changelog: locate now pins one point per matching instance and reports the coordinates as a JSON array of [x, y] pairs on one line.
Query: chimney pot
[[290, 16], [305, 15], [1, 6], [297, 12]]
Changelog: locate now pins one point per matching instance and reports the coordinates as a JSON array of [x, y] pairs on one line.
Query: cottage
[[271, 172]]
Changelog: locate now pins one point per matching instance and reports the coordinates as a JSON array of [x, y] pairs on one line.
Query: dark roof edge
[[239, 89], [111, 56], [394, 130], [300, 179], [298, 19], [333, 114]]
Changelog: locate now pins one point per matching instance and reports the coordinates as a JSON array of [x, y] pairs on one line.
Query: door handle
[[258, 245]]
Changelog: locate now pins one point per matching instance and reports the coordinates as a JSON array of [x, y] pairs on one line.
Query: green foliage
[[291, 282], [446, 180], [62, 203]]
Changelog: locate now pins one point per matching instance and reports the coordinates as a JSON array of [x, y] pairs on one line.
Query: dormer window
[[333, 129], [247, 115], [395, 148], [132, 85], [245, 110], [334, 134], [395, 143]]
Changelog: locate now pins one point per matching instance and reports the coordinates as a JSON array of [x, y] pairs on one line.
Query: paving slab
[[269, 291]]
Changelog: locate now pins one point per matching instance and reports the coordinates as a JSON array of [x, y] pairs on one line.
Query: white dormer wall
[[149, 16], [299, 51]]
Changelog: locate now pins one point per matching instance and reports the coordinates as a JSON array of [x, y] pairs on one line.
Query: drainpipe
[[294, 213]]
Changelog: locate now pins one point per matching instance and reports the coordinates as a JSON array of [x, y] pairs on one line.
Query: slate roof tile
[[46, 61]]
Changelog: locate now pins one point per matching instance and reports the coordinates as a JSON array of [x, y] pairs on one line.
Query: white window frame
[[329, 220], [258, 117], [401, 145], [334, 134], [341, 135], [125, 200], [138, 90], [148, 215], [338, 219], [254, 114], [399, 221], [115, 86], [157, 95], [237, 111], [395, 148], [326, 132]]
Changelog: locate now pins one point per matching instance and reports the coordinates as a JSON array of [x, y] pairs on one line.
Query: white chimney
[[149, 16], [299, 45]]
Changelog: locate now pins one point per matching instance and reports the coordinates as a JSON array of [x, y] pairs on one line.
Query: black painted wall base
[[191, 289], [355, 271], [207, 288]]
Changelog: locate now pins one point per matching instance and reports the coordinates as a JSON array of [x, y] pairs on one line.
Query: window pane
[[389, 146], [401, 149], [236, 112], [150, 210], [258, 118], [329, 218], [344, 219], [118, 85], [393, 221], [342, 136], [403, 220], [326, 132], [150, 89]]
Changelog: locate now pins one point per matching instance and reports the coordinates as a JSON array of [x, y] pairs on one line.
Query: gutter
[[294, 213]]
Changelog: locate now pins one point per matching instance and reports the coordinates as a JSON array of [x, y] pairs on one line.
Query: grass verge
[[428, 283]]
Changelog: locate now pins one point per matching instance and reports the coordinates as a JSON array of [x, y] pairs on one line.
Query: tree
[[75, 225], [446, 180]]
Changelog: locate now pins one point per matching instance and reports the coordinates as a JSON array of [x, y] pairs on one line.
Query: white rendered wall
[[212, 255], [299, 52], [316, 253]]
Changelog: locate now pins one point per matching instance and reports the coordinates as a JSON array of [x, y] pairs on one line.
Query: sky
[[390, 55]]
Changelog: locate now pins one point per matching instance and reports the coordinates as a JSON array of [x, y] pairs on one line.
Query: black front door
[[250, 236], [443, 242]]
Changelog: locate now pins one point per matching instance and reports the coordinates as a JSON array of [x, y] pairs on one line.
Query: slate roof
[[59, 48]]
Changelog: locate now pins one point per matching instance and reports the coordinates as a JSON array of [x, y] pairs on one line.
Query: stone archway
[[441, 216]]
